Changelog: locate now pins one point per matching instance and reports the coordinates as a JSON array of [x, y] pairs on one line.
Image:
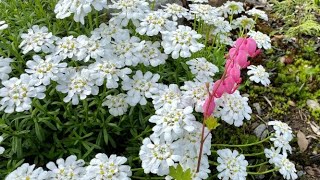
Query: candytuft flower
[[202, 69], [5, 68], [69, 169], [117, 104], [28, 172], [181, 42], [104, 167], [258, 74]]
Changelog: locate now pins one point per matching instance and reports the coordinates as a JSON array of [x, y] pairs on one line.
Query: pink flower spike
[[220, 90], [239, 42], [242, 59], [208, 107], [230, 85]]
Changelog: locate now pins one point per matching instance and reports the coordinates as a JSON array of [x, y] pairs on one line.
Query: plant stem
[[136, 169], [264, 172], [258, 165], [243, 145]]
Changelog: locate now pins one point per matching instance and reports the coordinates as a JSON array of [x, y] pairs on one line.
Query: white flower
[[243, 22], [199, 1], [37, 39], [28, 172], [117, 104], [67, 47], [3, 25], [69, 169], [154, 22], [191, 163], [233, 108], [176, 11], [110, 70], [151, 55], [91, 48], [221, 26], [192, 141], [258, 13], [45, 70], [1, 148], [129, 10], [231, 8], [282, 142], [139, 87], [171, 122], [287, 169], [128, 50], [110, 32], [232, 165], [169, 95], [273, 155], [181, 42], [158, 155], [204, 12], [197, 92], [108, 168], [17, 93], [282, 129], [80, 8], [5, 68], [258, 74], [224, 39], [262, 40], [202, 69], [76, 84]]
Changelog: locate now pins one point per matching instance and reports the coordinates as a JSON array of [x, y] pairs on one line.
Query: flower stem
[[264, 172], [243, 145], [136, 169], [258, 165]]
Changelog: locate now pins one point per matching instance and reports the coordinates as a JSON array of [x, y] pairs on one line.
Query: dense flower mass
[[134, 59], [3, 25]]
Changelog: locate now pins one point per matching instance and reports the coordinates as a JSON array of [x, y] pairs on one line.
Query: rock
[[314, 105], [261, 131], [258, 108]]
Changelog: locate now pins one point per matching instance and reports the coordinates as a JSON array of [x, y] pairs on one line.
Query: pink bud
[[234, 72], [208, 107]]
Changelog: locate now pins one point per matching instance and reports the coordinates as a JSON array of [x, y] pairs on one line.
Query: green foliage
[[179, 174], [309, 27]]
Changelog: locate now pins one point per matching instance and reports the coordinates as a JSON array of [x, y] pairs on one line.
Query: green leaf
[[211, 123], [178, 173]]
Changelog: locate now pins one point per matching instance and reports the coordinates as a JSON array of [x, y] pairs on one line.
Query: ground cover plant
[[137, 89]]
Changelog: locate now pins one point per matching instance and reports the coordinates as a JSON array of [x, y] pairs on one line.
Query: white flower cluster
[[231, 8], [262, 40], [258, 14], [258, 74], [277, 155], [202, 69], [80, 8], [233, 108], [37, 39], [100, 167], [243, 22], [1, 148], [3, 25], [5, 68], [232, 165]]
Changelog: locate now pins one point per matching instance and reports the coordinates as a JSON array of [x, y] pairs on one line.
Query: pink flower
[[208, 107], [247, 44], [239, 57]]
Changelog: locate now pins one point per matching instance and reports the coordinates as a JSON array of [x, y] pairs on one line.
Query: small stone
[[259, 131], [258, 108], [291, 103], [314, 105]]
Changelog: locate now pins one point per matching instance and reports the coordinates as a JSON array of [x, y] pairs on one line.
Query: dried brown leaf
[[315, 128], [302, 141]]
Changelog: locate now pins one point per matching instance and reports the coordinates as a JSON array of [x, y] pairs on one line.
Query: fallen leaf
[[302, 141], [315, 128]]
